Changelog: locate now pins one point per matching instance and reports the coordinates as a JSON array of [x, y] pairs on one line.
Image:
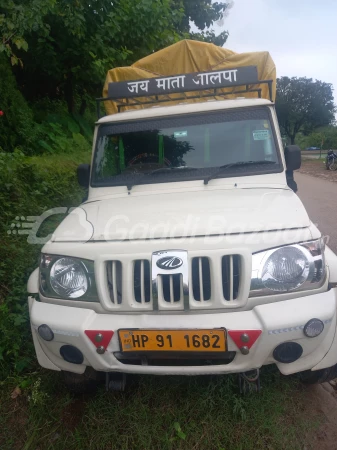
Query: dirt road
[[320, 199]]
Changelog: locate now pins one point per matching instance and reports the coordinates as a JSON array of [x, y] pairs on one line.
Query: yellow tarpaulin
[[193, 56]]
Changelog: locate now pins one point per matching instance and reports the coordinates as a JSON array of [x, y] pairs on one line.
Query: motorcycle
[[331, 160]]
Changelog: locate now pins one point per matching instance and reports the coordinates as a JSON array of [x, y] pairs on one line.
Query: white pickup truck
[[192, 254]]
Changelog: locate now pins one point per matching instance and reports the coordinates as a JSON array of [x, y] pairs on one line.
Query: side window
[[106, 159]]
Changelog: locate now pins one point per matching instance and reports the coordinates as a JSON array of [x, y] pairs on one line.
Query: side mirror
[[83, 175], [292, 155]]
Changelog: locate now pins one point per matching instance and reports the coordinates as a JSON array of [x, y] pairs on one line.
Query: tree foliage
[[324, 137], [69, 49], [203, 14], [303, 105], [64, 47], [17, 127]]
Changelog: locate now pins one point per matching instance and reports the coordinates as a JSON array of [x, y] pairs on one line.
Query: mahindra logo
[[169, 262]]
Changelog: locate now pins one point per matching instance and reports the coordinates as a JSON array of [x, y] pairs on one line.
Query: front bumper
[[280, 322]]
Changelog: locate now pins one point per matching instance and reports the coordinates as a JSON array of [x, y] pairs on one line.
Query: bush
[[30, 186], [43, 127], [17, 127]]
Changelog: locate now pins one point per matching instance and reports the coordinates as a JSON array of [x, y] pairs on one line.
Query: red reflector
[[100, 338], [239, 337]]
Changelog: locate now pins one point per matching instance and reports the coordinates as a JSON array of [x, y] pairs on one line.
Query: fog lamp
[[288, 352], [71, 354], [313, 328], [45, 332]]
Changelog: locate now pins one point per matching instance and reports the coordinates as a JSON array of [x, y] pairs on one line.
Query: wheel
[[81, 383], [327, 163], [333, 165], [318, 376]]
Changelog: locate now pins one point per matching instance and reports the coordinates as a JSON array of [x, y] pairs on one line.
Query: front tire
[[81, 383], [318, 376]]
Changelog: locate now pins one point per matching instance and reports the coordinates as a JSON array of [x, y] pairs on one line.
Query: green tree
[[203, 14], [303, 105], [327, 135], [17, 127], [66, 46]]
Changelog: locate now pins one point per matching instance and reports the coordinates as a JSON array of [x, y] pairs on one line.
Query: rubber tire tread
[[319, 376], [79, 383]]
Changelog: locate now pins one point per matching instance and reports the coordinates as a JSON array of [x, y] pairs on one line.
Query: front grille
[[207, 281], [230, 276], [201, 279], [171, 287], [114, 277], [142, 281]]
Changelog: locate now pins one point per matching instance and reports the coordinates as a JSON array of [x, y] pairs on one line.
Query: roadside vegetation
[[324, 138], [305, 110], [53, 60], [158, 413]]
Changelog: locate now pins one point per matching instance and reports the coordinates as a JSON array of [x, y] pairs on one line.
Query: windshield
[[185, 148]]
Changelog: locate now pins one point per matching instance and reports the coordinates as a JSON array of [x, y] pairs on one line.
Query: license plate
[[173, 340]]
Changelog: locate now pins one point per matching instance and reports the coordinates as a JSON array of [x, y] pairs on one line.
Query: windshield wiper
[[235, 164], [161, 170], [168, 169]]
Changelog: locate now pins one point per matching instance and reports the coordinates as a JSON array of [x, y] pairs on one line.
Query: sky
[[300, 35]]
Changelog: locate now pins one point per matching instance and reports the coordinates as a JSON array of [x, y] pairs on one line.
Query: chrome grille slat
[[141, 281], [114, 281], [230, 277], [201, 279], [171, 289], [114, 278]]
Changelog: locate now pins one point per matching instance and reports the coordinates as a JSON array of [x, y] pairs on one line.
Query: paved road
[[320, 199]]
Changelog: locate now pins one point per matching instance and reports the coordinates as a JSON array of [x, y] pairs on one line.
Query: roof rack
[[157, 90]]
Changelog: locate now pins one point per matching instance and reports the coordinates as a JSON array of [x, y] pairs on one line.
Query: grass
[[164, 413]]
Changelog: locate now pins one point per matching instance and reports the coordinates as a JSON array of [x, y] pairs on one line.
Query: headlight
[[292, 267], [67, 278]]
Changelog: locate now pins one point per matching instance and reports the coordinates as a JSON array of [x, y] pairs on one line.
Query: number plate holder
[[186, 340]]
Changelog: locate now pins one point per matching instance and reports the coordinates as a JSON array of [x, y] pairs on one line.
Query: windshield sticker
[[179, 134], [261, 135]]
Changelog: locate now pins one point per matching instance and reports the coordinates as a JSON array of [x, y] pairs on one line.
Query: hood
[[182, 214]]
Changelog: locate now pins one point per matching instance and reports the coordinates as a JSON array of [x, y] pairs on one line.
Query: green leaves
[[179, 431], [65, 48], [20, 43], [303, 105], [203, 13], [35, 184]]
